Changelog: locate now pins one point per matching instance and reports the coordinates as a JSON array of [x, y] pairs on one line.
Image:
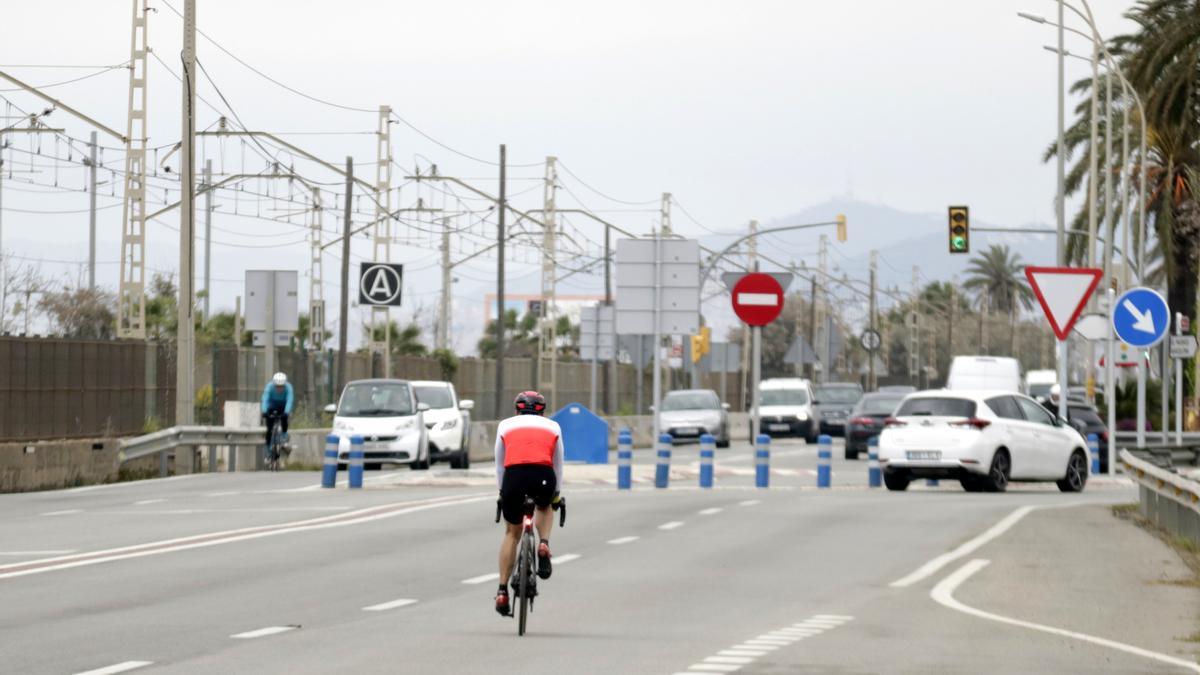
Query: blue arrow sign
[[1141, 317]]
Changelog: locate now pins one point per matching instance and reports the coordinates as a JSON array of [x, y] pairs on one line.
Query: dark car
[[1086, 420], [833, 401], [866, 420]]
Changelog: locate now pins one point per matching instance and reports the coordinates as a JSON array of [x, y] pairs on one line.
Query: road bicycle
[[277, 450], [524, 581]]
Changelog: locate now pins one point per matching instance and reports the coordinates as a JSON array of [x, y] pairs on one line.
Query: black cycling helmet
[[530, 403]]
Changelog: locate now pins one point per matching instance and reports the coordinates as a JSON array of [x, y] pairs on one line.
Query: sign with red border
[[1063, 292], [757, 299]]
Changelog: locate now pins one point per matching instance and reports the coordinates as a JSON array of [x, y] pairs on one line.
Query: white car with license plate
[[447, 422], [386, 414], [984, 439]]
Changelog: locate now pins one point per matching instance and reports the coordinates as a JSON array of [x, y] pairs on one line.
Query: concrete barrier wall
[[57, 464]]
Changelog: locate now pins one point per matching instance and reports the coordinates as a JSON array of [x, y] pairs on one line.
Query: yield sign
[[1062, 292]]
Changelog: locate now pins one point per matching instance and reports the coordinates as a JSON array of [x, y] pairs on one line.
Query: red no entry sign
[[757, 299]]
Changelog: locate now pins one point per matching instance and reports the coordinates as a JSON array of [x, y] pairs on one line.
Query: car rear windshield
[[434, 396], [690, 400], [1086, 415], [376, 399], [879, 405], [784, 397], [937, 407], [1040, 390], [836, 395]]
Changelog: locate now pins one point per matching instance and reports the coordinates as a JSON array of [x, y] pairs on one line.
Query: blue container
[[1094, 448], [874, 477], [762, 461], [824, 456], [584, 434], [708, 445], [662, 471], [356, 462], [624, 460], [329, 469]]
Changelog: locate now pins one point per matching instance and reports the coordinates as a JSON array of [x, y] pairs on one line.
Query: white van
[[785, 406], [1039, 382], [985, 372]]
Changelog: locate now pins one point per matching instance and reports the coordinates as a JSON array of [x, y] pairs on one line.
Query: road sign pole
[[1062, 379], [1178, 387], [755, 377], [656, 382], [1110, 384], [1141, 398]]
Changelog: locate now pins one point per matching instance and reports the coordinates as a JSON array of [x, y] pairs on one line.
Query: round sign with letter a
[[757, 299]]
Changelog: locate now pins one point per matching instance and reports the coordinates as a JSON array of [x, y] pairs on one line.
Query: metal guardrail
[[1168, 499], [1189, 437], [169, 439]]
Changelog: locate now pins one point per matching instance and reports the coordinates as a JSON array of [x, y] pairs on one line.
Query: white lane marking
[[764, 648], [222, 494], [750, 502], [671, 525], [742, 652], [622, 540], [943, 594], [743, 660], [711, 511], [564, 559], [263, 632], [132, 483], [714, 667], [833, 617], [117, 668], [964, 549], [186, 512], [366, 515], [148, 501], [383, 606], [65, 512], [494, 576], [25, 553]]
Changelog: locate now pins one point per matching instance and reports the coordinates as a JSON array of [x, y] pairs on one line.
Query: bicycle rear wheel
[[524, 574]]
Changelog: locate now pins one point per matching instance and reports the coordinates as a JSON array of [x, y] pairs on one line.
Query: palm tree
[[1162, 61], [997, 277]]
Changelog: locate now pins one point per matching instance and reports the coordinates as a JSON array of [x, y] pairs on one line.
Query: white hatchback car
[[982, 438], [447, 422], [390, 420]]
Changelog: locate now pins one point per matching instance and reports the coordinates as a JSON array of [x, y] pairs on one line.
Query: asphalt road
[[268, 573]]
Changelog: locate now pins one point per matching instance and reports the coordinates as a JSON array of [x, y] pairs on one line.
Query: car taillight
[[974, 422], [863, 421], [894, 422], [1104, 435]]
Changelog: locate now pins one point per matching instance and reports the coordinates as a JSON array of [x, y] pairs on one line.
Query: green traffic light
[[959, 243]]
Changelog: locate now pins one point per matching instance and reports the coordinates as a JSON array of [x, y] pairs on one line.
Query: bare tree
[[19, 282], [77, 311]]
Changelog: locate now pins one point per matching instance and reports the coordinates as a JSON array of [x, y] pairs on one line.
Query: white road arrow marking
[[1142, 322]]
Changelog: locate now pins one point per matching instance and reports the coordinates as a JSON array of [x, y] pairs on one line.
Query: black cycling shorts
[[534, 480]]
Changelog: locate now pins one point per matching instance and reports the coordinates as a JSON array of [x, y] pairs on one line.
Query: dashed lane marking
[[65, 512], [622, 540], [564, 559], [482, 578], [263, 632], [122, 667], [745, 653], [750, 502], [384, 606], [148, 501], [671, 525], [711, 511]]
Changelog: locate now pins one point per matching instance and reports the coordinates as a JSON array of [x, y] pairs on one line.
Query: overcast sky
[[742, 110]]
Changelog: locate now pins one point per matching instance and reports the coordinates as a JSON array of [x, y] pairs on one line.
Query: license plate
[[687, 431], [924, 454], [778, 427]]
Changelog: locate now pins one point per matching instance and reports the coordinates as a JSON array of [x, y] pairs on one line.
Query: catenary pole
[[92, 211], [501, 208], [344, 311], [185, 340]]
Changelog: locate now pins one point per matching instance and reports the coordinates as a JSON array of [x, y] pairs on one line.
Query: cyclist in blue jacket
[[277, 402]]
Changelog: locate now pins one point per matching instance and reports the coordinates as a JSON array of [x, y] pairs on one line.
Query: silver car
[[690, 413]]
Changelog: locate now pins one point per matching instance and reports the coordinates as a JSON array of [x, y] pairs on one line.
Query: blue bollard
[[624, 460], [931, 482], [356, 461], [708, 445], [874, 478], [824, 454], [662, 471], [1094, 449], [762, 461], [329, 470]]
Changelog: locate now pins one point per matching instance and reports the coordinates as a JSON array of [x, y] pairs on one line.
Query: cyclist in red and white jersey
[[529, 462]]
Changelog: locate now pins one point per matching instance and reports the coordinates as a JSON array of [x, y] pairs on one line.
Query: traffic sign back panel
[[677, 286], [1141, 317]]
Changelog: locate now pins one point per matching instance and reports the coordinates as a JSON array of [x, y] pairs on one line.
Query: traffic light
[[701, 344], [960, 229], [841, 227]]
